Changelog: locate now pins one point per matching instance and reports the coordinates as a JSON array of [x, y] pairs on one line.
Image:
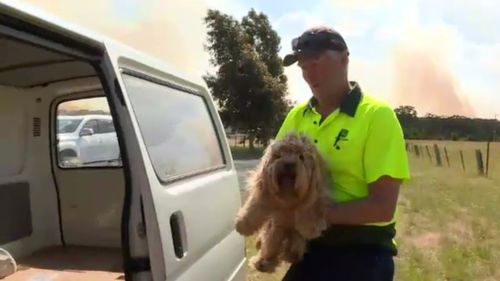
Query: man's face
[[322, 71]]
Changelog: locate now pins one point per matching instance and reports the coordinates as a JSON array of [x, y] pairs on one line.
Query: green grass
[[449, 224], [244, 153]]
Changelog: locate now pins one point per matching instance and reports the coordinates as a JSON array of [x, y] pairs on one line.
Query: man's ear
[[345, 58]]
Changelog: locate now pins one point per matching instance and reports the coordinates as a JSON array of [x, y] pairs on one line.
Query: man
[[362, 143]]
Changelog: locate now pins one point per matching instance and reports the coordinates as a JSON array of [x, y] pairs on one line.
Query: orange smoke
[[172, 31], [423, 72]]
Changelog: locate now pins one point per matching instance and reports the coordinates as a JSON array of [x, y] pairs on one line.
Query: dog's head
[[292, 171]]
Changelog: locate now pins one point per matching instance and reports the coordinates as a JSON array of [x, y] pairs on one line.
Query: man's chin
[[318, 92]]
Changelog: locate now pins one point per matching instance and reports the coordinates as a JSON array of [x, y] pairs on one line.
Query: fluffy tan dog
[[286, 202]]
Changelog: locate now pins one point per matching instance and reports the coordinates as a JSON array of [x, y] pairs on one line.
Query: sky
[[443, 57]]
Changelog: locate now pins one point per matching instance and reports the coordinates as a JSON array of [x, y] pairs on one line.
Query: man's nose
[[310, 75]]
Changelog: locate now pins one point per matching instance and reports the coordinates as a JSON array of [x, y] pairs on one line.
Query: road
[[243, 167]]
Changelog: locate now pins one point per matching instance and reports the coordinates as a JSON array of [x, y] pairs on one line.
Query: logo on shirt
[[342, 136]]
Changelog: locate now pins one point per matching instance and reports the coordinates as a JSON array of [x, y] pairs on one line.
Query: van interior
[[60, 216]]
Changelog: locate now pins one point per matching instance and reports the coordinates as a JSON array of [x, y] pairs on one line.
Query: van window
[[86, 135], [105, 126], [68, 125], [177, 128], [91, 125]]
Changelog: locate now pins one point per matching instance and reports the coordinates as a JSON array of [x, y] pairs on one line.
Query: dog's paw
[[309, 232], [264, 265], [258, 243], [304, 231], [318, 229], [322, 226], [312, 231], [243, 228], [291, 256]]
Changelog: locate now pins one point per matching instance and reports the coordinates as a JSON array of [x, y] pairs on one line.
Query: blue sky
[[441, 56], [452, 49]]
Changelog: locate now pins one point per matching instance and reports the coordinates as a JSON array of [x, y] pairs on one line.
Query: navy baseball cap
[[314, 41]]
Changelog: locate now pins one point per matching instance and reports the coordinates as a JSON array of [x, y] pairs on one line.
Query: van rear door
[[182, 166]]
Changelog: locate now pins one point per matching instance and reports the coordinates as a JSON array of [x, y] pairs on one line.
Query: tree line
[[456, 127]]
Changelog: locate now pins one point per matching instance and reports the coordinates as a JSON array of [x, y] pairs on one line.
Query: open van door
[[181, 188], [183, 181]]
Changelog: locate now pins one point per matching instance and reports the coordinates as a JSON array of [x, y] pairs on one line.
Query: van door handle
[[178, 230]]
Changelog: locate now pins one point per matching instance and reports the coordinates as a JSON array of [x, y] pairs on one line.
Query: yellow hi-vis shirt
[[360, 142]]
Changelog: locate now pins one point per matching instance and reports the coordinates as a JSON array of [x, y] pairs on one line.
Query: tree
[[431, 116], [248, 85], [406, 111], [407, 115], [265, 41]]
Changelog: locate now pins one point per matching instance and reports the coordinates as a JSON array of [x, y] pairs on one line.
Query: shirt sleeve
[[385, 150]]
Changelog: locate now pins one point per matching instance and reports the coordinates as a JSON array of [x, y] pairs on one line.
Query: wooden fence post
[[446, 155], [428, 152], [462, 159], [438, 155], [479, 160], [487, 158]]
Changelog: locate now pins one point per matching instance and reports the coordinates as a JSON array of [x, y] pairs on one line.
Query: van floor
[[71, 263]]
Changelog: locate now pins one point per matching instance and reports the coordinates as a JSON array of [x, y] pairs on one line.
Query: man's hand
[[378, 207]]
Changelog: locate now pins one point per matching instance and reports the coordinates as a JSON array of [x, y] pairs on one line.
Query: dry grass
[[449, 224], [254, 275], [449, 220]]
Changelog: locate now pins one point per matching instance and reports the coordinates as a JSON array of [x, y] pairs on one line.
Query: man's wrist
[[332, 213], [353, 213]]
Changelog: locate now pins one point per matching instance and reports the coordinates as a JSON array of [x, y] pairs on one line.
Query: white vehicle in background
[[87, 139]]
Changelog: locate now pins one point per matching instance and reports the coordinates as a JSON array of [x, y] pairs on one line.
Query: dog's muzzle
[[287, 175]]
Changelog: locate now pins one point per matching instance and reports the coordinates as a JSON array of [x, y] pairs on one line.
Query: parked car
[[88, 139]]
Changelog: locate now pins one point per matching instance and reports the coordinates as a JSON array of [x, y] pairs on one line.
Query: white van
[[163, 210]]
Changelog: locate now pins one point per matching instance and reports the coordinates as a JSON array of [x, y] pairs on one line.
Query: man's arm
[[379, 206], [386, 166]]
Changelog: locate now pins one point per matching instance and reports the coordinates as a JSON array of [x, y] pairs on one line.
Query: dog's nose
[[289, 166]]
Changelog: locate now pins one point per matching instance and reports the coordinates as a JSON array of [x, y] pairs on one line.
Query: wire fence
[[479, 158]]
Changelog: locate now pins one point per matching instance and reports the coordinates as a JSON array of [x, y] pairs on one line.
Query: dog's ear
[[260, 176]]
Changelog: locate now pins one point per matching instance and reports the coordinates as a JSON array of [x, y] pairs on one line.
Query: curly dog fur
[[286, 202]]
